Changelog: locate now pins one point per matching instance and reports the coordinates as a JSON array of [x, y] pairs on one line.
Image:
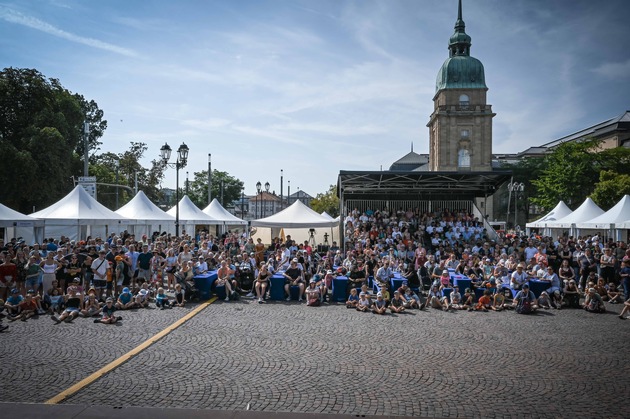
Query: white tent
[[560, 211], [78, 215], [16, 225], [297, 220], [617, 214], [221, 215], [587, 211], [148, 217], [190, 216], [325, 214]]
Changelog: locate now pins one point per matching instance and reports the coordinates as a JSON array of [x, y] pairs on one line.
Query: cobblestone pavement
[[286, 357]]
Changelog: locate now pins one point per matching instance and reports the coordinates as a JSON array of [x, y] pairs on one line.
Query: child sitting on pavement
[[544, 301], [125, 300], [397, 305], [161, 299], [498, 301], [614, 296], [91, 306], [364, 302], [456, 299], [109, 316], [484, 303], [353, 299], [469, 298], [379, 306], [28, 307], [142, 297], [74, 304]]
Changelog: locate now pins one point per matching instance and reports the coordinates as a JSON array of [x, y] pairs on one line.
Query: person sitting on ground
[[12, 304], [364, 303], [142, 297], [108, 314], [161, 299], [353, 299], [484, 303], [397, 305], [223, 279], [91, 307], [55, 301], [262, 282], [626, 309], [125, 300], [601, 288], [554, 287], [313, 294], [364, 289], [572, 294], [593, 302], [456, 299], [614, 296], [180, 299], [294, 276], [498, 300], [469, 299], [413, 300], [386, 295], [74, 305], [544, 301], [436, 299], [525, 301], [379, 306], [28, 307]]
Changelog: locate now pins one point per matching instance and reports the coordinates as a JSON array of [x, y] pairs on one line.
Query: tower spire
[[459, 44]]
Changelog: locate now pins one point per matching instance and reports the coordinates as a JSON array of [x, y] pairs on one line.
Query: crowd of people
[[98, 278]]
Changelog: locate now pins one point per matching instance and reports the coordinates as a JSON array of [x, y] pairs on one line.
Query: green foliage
[[198, 188], [41, 129], [611, 188], [327, 201]]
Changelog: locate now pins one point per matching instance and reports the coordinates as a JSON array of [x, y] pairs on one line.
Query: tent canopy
[[141, 208], [12, 218], [220, 214], [587, 211], [617, 214], [78, 208], [560, 211], [297, 215], [189, 213]]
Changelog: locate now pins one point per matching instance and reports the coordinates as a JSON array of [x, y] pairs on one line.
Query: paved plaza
[[286, 357]]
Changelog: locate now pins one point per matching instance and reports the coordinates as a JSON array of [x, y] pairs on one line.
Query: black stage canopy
[[393, 185]]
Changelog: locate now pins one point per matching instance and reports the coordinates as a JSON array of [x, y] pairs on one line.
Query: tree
[[41, 127], [611, 188], [198, 188], [327, 201]]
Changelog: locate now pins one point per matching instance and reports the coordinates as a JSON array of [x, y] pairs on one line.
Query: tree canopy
[[41, 132], [327, 201], [198, 188]]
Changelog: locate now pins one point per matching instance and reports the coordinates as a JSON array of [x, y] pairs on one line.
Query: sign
[[89, 184]]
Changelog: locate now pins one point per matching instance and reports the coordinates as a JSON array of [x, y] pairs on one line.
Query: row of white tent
[[78, 215], [587, 218]]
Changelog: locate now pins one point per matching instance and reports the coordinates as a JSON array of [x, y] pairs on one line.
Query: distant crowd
[[98, 278]]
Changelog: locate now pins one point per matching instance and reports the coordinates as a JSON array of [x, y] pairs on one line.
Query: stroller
[[188, 285]]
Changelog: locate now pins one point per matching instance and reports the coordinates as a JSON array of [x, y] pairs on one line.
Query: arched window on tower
[[464, 101], [463, 158]]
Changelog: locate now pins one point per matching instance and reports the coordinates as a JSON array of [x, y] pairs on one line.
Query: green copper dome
[[460, 70]]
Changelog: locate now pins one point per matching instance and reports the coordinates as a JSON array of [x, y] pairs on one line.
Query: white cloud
[[14, 16], [614, 70], [209, 123]]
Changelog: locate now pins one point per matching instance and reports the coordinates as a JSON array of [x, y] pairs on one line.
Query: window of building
[[465, 134], [464, 101], [463, 158]]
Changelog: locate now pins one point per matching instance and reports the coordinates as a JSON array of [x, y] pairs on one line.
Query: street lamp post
[[258, 189], [517, 188], [117, 169], [265, 206], [180, 163]]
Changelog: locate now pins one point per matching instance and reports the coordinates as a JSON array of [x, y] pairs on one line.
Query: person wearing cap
[[397, 304], [380, 305], [525, 301], [437, 299], [313, 294], [353, 299], [364, 302], [294, 276], [12, 303], [142, 297], [108, 313], [125, 300], [74, 305], [593, 302], [518, 278]]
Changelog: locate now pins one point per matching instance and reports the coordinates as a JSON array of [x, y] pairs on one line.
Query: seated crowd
[[98, 278]]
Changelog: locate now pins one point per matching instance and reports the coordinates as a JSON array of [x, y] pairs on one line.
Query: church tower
[[460, 128]]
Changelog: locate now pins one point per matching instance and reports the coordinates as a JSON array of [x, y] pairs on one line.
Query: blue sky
[[318, 86]]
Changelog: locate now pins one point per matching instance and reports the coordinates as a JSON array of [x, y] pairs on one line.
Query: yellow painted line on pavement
[[124, 358]]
